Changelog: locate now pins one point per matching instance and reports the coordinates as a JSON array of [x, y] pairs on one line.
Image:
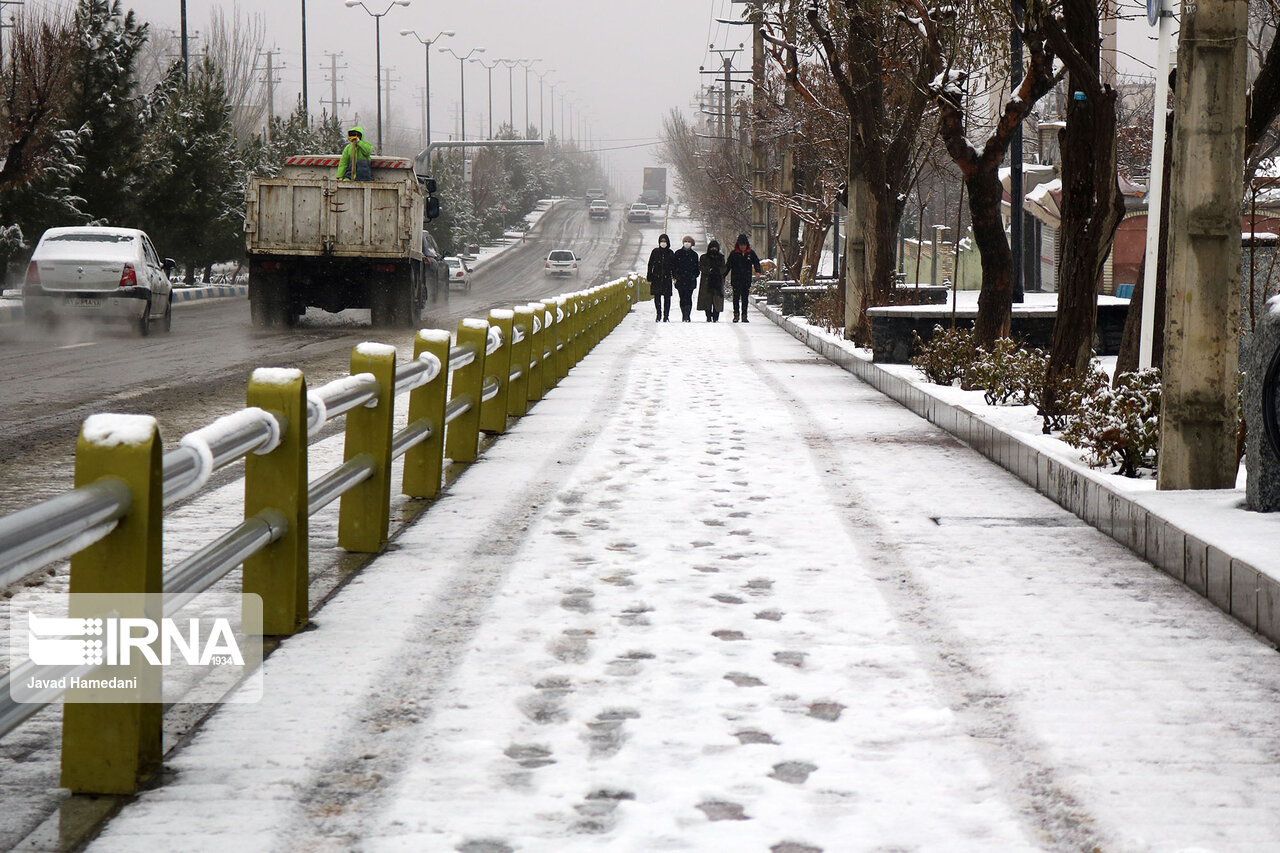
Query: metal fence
[[110, 524]]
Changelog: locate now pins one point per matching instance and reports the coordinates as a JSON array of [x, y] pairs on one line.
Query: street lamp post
[[527, 63], [462, 88], [542, 101], [426, 78], [489, 66], [511, 97], [377, 28]]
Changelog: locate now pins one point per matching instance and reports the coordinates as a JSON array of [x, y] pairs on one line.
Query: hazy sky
[[625, 63]]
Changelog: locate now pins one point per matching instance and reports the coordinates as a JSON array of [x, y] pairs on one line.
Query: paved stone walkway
[[730, 599]]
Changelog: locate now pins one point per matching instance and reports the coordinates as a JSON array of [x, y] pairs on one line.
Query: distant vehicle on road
[[561, 262], [638, 212], [599, 209], [595, 193], [459, 273], [316, 241], [98, 274], [655, 186]]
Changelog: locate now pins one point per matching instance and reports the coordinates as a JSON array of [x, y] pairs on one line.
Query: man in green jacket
[[355, 164]]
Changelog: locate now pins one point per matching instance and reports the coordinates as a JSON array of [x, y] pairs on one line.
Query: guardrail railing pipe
[[462, 439], [424, 463], [277, 480], [549, 376], [561, 311], [518, 393], [108, 748], [493, 413], [364, 512], [536, 351]]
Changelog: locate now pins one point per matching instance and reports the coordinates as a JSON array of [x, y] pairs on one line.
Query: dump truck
[[654, 190], [315, 241]]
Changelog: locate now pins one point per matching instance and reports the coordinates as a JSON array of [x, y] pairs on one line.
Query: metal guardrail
[[451, 400]]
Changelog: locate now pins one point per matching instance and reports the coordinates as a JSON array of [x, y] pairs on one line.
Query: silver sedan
[[98, 274]]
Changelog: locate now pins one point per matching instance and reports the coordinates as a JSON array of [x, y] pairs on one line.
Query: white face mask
[[662, 243], [688, 245]]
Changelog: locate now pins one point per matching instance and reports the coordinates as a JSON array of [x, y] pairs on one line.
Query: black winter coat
[[740, 265], [661, 266], [711, 288], [686, 270]]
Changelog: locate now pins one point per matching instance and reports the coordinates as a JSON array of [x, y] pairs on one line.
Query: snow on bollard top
[[502, 314], [371, 349], [116, 430], [275, 375], [481, 325], [435, 336]]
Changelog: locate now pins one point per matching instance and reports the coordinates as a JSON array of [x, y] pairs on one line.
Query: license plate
[[86, 301]]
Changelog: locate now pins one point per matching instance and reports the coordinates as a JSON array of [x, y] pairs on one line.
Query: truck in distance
[[315, 241]]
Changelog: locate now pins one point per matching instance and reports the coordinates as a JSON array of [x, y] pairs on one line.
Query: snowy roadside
[[712, 594], [1207, 539], [514, 239]]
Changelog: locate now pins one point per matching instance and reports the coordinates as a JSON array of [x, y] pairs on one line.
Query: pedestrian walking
[[661, 268], [740, 263], [686, 275], [711, 285]]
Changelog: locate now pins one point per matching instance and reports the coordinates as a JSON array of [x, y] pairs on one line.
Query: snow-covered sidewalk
[[715, 594]]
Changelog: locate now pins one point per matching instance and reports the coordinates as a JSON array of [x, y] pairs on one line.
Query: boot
[[735, 316]]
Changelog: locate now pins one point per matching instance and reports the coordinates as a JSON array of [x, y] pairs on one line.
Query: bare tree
[[946, 37], [35, 86]]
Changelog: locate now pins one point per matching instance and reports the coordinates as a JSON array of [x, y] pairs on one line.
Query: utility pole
[[788, 223], [391, 82], [186, 68], [726, 122], [1015, 158], [422, 101], [271, 82], [8, 26], [306, 104], [333, 101], [1198, 415], [759, 160]]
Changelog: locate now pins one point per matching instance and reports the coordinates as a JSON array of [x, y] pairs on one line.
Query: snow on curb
[[1202, 538]]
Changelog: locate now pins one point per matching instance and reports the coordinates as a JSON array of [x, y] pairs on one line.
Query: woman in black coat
[[686, 272], [661, 267], [711, 288]]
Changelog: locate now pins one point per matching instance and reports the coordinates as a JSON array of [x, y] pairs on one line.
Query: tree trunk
[[857, 293], [882, 233], [995, 299], [1091, 203]]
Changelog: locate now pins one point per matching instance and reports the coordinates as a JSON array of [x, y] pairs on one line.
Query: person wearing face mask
[[356, 163], [711, 288], [686, 273], [742, 260], [661, 266]]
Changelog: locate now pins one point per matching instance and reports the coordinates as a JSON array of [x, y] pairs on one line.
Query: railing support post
[[518, 395], [424, 463], [364, 514], [549, 377], [462, 441], [538, 350], [278, 480], [493, 414], [107, 748], [562, 337]]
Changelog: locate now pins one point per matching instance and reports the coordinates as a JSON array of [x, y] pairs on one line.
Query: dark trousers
[[740, 299], [662, 304], [686, 304]]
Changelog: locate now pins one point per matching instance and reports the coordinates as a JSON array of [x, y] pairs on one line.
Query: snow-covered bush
[[948, 355], [827, 311], [1118, 424], [1009, 374]]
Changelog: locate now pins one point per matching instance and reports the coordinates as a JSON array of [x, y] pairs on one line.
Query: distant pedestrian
[[686, 273], [711, 287], [356, 162], [741, 262], [661, 267]]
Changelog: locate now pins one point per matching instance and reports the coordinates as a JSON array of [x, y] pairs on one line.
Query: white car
[[638, 212], [98, 274], [598, 209], [561, 262], [459, 273]]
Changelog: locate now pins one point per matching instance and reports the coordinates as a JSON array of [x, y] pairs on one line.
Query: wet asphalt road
[[49, 383]]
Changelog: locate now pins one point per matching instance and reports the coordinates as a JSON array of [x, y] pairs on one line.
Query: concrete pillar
[[1199, 416], [759, 161]]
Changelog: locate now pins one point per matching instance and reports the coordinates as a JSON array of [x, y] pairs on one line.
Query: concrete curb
[[1245, 590], [13, 313]]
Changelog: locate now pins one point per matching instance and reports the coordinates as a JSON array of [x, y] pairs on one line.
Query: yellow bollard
[[462, 439], [579, 327], [561, 309], [493, 414], [364, 514], [518, 393], [278, 480], [537, 351], [424, 462], [108, 747], [549, 378]]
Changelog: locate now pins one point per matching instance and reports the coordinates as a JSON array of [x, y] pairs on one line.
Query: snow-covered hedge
[[1119, 424]]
